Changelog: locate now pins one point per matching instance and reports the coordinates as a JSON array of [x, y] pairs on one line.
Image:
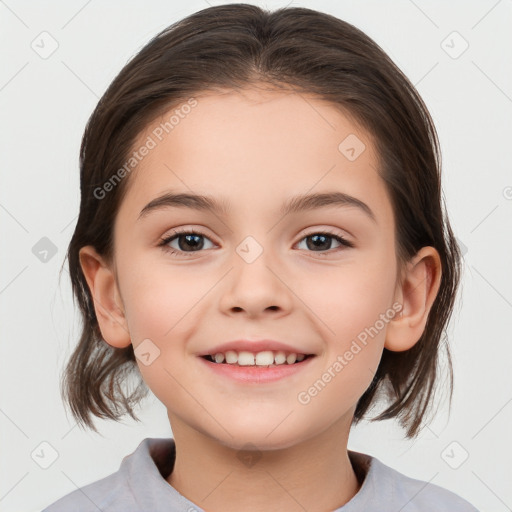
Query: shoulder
[[110, 494], [121, 491], [138, 485], [411, 495], [420, 495]]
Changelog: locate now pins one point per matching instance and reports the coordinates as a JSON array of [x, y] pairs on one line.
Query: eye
[[322, 240], [189, 241], [186, 239]]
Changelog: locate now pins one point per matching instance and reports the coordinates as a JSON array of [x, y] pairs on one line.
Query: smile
[[264, 358], [258, 368]]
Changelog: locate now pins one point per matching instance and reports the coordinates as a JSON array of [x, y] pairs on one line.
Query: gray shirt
[[139, 485]]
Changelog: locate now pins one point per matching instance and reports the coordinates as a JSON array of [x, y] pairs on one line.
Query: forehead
[[254, 148]]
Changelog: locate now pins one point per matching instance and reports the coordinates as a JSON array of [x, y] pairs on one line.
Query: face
[[253, 272]]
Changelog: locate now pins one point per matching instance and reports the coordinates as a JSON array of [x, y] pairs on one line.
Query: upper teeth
[[264, 358]]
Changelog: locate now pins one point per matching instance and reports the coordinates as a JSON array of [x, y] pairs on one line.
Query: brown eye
[[322, 242], [185, 242]]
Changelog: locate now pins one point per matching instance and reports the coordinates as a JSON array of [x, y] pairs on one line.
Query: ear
[[416, 293], [107, 299]]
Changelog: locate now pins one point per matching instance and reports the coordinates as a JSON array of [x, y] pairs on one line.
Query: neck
[[315, 474]]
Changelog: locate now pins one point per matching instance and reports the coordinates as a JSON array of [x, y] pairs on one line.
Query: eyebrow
[[221, 206]]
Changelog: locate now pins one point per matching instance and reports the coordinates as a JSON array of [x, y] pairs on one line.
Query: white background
[[45, 104]]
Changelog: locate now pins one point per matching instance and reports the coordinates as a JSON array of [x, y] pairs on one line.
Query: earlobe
[[416, 293], [108, 304]]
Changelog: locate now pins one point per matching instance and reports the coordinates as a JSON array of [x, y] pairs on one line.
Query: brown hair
[[234, 46]]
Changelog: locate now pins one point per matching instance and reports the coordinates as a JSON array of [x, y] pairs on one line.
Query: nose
[[256, 284]]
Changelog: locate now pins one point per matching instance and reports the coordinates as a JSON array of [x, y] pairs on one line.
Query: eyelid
[[330, 231], [165, 239], [309, 231], [186, 231], [343, 234]]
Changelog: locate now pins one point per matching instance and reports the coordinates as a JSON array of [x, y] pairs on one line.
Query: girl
[[262, 239]]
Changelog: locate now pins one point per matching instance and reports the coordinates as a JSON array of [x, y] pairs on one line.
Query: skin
[[256, 148]]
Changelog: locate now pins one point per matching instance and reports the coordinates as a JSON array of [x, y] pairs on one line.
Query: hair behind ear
[[407, 379]]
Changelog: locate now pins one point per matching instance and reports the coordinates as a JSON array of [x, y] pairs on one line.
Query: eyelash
[[166, 240]]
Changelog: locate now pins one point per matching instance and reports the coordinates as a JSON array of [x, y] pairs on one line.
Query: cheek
[[165, 308], [350, 299], [160, 308], [355, 307], [157, 300]]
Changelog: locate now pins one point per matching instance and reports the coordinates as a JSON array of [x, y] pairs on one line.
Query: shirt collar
[[151, 463]]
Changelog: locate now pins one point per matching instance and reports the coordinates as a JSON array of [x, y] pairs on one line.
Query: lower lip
[[255, 375]]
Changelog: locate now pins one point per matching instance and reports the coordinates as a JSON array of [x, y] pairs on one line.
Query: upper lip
[[254, 347]]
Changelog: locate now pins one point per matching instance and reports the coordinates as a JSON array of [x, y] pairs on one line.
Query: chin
[[258, 444], [260, 438]]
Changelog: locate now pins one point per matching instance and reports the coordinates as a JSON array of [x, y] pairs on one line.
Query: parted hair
[[230, 47]]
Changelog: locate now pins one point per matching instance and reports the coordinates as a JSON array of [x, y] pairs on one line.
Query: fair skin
[[256, 149]]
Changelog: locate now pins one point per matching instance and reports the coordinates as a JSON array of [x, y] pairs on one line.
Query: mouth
[[247, 368], [264, 359]]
